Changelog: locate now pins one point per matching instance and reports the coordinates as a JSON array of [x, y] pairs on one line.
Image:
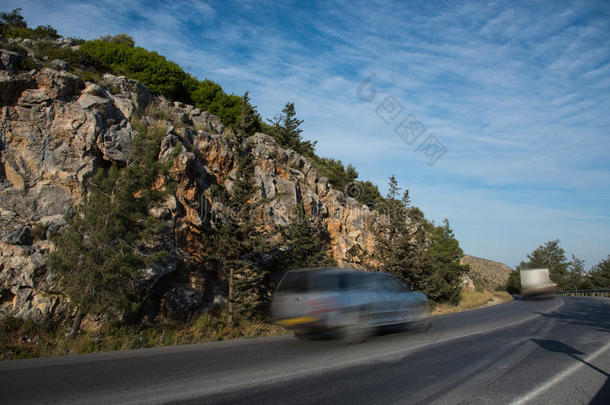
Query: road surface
[[554, 351]]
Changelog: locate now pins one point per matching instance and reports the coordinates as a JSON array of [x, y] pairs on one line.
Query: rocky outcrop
[[56, 131]]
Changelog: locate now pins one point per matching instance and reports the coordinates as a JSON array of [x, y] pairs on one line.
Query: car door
[[376, 297], [398, 301]]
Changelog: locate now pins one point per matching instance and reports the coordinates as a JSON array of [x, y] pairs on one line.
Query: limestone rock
[[55, 132]]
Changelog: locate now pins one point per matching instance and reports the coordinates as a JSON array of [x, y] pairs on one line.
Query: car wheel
[[358, 329], [420, 326]]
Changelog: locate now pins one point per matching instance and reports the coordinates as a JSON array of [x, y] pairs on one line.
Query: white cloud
[[516, 91]]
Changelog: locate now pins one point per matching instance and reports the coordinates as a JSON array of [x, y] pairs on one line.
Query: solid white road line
[[560, 377]]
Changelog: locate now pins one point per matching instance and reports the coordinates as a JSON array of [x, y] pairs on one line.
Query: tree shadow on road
[[559, 347]]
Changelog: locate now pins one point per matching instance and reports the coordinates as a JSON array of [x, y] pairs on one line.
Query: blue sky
[[517, 92]]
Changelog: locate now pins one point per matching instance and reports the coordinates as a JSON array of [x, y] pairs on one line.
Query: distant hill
[[486, 273]]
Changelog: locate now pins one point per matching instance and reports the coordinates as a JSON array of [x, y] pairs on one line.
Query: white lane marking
[[290, 374], [560, 377], [502, 363]]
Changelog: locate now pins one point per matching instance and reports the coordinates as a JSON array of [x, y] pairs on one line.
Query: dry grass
[[26, 339], [473, 299]]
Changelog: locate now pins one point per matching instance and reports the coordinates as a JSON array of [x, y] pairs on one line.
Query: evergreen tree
[[111, 237], [13, 19], [307, 246], [250, 119], [443, 269], [421, 254], [399, 248], [235, 244], [600, 274], [576, 274], [286, 129], [13, 25]]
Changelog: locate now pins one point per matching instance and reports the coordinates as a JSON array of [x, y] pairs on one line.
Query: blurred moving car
[[348, 303], [536, 284]]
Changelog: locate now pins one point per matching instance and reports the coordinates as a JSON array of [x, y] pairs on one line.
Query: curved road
[[555, 351]]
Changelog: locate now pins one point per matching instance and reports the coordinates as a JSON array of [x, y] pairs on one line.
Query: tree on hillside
[[337, 174], [111, 237], [368, 193], [13, 25], [418, 252], [307, 245], [442, 265], [250, 119], [286, 129], [400, 246], [13, 19], [235, 244], [600, 274], [576, 274], [551, 256]]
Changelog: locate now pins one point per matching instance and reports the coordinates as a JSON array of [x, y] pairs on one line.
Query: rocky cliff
[[56, 131]]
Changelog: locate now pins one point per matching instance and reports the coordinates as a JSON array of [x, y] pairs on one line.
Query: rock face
[[56, 131], [485, 273]]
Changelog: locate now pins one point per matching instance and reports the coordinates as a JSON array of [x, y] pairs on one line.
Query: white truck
[[536, 284]]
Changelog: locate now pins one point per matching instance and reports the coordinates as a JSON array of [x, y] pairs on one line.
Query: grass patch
[[27, 339], [472, 300]]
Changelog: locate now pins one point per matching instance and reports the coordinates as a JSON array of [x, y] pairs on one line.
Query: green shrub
[[13, 25], [15, 48], [76, 58], [161, 76]]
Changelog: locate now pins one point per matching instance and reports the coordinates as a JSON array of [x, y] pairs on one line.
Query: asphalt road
[[555, 351]]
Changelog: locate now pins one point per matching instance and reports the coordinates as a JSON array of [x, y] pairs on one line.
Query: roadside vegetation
[[21, 339], [473, 299], [568, 274]]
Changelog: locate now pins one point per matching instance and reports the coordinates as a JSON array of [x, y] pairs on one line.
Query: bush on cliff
[[161, 76], [13, 25], [111, 237]]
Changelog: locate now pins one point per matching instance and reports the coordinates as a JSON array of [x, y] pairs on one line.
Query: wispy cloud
[[517, 91]]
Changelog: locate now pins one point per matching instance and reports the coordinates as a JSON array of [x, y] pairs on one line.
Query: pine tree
[[600, 274], [307, 246], [397, 247], [111, 237], [424, 256], [443, 269], [287, 131], [250, 121], [235, 244], [576, 274]]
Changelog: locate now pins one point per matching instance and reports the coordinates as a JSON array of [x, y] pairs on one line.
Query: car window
[[391, 284], [306, 281], [326, 282], [294, 282], [360, 281]]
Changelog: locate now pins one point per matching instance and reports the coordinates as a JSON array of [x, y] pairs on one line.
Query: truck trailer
[[536, 284]]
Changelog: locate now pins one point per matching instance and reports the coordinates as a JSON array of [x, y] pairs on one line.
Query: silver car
[[346, 302]]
